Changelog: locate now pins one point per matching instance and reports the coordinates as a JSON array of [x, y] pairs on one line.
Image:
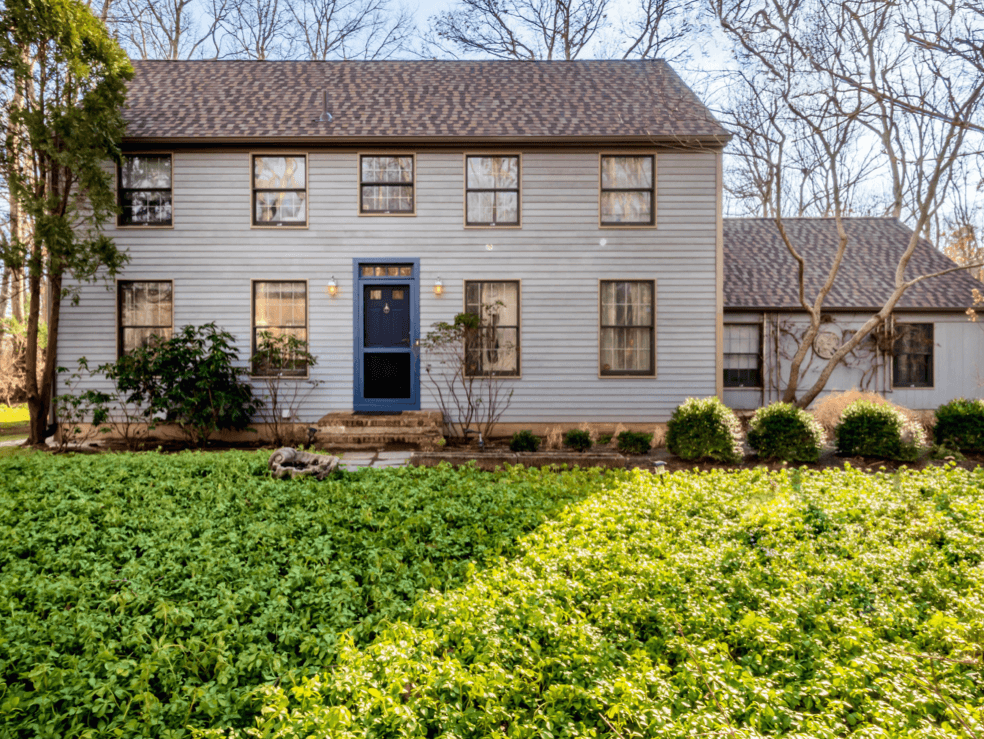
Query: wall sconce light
[[332, 287], [438, 287]]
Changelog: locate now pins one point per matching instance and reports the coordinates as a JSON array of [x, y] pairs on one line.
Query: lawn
[[13, 417], [146, 593]]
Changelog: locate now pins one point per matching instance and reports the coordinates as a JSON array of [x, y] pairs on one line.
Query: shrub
[[783, 431], [634, 442], [878, 430], [161, 590], [281, 364], [190, 380], [604, 439], [577, 439], [704, 429], [829, 409], [960, 425], [524, 441]]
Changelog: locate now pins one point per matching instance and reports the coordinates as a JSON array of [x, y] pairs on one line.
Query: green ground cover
[[141, 594], [745, 604]]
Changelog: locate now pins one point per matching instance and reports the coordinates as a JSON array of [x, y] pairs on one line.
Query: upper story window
[[742, 355], [144, 190], [492, 190], [494, 349], [913, 355], [628, 328], [386, 185], [279, 190], [279, 309], [144, 309], [628, 190]]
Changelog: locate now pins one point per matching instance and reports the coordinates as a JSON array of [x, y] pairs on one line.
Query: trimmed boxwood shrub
[[704, 429], [577, 439], [783, 431], [960, 425], [524, 441], [870, 429], [634, 442]]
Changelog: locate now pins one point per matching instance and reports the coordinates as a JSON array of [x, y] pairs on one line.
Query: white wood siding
[[212, 253], [958, 361]]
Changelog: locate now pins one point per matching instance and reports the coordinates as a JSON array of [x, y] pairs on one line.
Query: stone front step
[[419, 430]]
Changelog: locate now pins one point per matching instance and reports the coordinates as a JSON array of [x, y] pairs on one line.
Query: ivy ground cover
[[746, 604], [144, 594]]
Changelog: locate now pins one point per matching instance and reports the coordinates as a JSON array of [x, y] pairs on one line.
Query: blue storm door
[[387, 333]]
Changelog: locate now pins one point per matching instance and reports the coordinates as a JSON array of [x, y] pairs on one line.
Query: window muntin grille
[[492, 190], [386, 185], [146, 309], [628, 327], [742, 355], [279, 190], [628, 190], [280, 308], [144, 192], [495, 350], [912, 364]]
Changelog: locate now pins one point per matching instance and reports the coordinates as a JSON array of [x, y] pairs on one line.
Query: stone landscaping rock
[[290, 462]]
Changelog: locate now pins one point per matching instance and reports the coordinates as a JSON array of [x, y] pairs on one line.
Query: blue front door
[[386, 362]]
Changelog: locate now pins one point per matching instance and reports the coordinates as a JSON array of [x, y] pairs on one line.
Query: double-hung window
[[279, 190], [493, 348], [492, 190], [280, 309], [628, 328], [913, 360], [742, 355], [628, 190], [386, 185], [144, 309], [144, 190]]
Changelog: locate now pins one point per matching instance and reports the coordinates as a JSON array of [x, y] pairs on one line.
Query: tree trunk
[[35, 401]]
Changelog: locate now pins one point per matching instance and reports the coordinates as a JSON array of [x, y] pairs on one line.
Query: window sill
[[146, 227], [284, 227]]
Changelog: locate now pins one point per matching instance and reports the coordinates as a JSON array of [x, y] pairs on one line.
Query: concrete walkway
[[355, 460], [13, 442]]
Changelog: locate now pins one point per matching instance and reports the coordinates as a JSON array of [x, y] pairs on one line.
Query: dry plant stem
[[707, 682]]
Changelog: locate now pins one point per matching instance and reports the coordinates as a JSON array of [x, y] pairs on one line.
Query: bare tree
[[257, 29], [835, 76], [349, 29], [171, 29], [561, 29]]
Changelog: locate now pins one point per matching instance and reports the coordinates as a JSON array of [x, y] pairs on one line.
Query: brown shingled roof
[[760, 273], [479, 100]]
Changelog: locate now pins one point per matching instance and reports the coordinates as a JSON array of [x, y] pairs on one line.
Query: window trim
[[119, 307], [654, 364], [761, 356], [932, 366], [253, 190], [252, 325], [519, 324], [119, 192], [359, 183], [640, 153], [465, 190]]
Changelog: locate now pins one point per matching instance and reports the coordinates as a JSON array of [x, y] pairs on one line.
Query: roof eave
[[715, 142]]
